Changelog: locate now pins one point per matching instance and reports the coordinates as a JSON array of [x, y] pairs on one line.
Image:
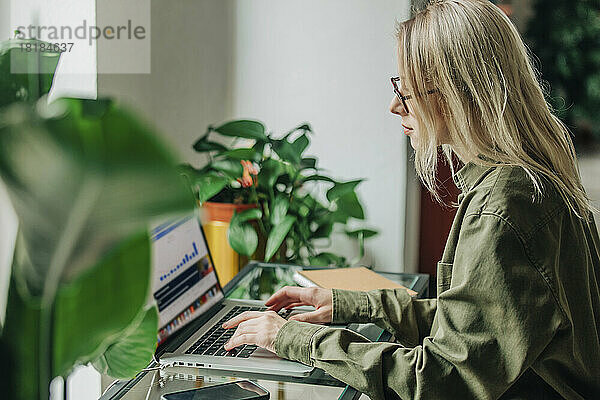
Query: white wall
[[329, 63], [5, 32], [189, 86], [589, 168]]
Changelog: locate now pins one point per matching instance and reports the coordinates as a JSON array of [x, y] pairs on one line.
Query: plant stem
[[261, 224]]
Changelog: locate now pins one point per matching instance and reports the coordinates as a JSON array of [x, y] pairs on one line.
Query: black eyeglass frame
[[402, 98]]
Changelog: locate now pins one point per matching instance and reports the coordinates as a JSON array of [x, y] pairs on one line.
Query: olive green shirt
[[517, 314]]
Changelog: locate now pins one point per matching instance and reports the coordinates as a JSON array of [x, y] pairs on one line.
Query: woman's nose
[[396, 107]]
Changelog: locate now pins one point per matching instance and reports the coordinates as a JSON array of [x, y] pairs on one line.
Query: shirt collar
[[470, 175]]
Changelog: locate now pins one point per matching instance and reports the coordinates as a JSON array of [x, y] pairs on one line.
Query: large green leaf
[[241, 234], [339, 216], [302, 226], [209, 184], [342, 188], [303, 127], [20, 334], [232, 168], [85, 327], [286, 151], [125, 358], [243, 128], [259, 146], [323, 230], [308, 163], [81, 183], [303, 210], [247, 215], [270, 170], [242, 238], [203, 145], [241, 154], [279, 209], [82, 177], [300, 144], [349, 205], [277, 235]]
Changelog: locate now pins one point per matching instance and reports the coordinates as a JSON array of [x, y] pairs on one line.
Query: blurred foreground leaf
[[84, 326], [85, 179], [125, 358]]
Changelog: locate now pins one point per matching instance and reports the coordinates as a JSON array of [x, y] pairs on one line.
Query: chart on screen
[[184, 281]]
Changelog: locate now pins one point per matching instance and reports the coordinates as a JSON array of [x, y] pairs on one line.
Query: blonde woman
[[517, 313]]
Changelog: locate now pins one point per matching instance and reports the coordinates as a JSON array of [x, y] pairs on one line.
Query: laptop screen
[[184, 280]]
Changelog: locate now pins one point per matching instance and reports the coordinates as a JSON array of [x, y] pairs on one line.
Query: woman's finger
[[246, 315], [320, 316], [298, 304], [283, 304], [284, 294], [240, 339]]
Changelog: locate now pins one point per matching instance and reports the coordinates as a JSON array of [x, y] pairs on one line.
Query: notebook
[[359, 278]]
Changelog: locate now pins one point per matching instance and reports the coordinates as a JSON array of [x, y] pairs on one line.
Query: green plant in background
[[85, 177], [275, 174], [564, 35]]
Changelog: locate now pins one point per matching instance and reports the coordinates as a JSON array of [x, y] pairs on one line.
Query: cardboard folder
[[359, 278]]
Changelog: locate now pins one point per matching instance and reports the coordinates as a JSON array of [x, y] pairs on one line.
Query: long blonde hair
[[489, 97]]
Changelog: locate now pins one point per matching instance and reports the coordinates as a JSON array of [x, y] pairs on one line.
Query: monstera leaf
[[85, 177], [125, 358]]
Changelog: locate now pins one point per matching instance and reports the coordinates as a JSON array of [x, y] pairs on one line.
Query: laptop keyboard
[[211, 343]]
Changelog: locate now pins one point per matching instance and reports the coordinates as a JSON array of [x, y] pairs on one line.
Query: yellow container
[[215, 222], [227, 261]]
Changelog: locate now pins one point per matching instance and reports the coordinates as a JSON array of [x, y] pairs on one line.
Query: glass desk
[[257, 281]]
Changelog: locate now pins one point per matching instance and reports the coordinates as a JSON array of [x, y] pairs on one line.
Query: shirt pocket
[[444, 276]]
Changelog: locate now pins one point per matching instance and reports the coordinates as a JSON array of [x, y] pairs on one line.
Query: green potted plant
[[279, 184]]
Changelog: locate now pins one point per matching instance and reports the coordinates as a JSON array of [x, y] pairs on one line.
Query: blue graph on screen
[[186, 259]]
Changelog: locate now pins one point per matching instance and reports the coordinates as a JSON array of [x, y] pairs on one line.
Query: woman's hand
[[261, 328], [292, 296], [254, 327]]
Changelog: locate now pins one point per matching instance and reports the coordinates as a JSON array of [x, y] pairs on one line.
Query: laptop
[[186, 287]]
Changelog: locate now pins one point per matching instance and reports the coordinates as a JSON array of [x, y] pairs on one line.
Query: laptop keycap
[[221, 352], [245, 353], [211, 351], [233, 352]]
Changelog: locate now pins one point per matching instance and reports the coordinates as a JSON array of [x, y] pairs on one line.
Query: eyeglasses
[[407, 97]]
